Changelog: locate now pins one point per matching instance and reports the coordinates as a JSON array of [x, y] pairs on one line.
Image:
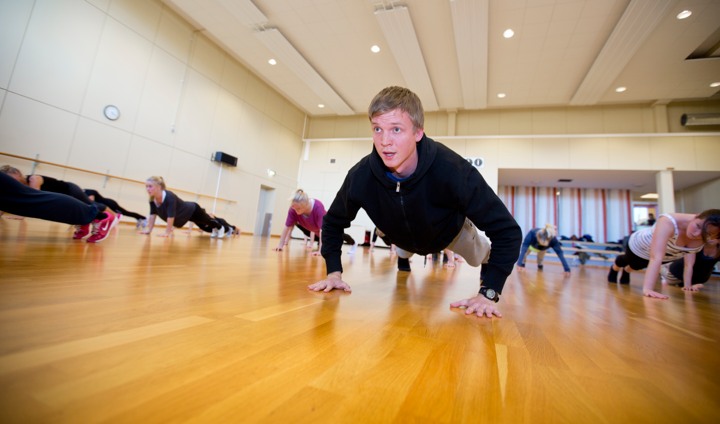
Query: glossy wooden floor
[[192, 329]]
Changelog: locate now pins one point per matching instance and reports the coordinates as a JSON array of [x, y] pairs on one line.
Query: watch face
[[111, 112], [490, 293]]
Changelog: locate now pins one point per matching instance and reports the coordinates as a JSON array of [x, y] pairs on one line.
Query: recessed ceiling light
[[272, 62], [375, 48], [321, 105], [501, 95], [684, 14], [715, 84], [649, 196], [620, 89], [508, 33]]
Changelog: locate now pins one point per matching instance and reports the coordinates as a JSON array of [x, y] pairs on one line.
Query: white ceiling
[[564, 52]]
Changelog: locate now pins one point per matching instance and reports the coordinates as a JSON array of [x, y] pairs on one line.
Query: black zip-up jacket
[[425, 212]]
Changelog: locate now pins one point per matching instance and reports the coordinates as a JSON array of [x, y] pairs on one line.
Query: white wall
[[699, 198], [180, 98]]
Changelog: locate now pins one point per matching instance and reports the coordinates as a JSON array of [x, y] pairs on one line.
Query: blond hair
[[545, 235], [7, 169], [157, 180], [550, 230], [300, 197], [13, 172]]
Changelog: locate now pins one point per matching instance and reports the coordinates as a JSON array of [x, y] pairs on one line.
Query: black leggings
[[75, 191], [19, 199], [346, 238], [208, 228], [631, 259], [117, 208], [204, 221]]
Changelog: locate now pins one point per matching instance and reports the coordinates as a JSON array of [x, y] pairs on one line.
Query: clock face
[[111, 112]]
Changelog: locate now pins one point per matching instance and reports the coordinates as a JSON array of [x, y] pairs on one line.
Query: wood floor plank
[[37, 357]]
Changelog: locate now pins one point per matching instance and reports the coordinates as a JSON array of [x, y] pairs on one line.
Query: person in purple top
[[307, 214]]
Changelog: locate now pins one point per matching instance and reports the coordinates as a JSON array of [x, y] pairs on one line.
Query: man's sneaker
[[540, 268], [102, 228], [625, 277], [403, 264], [81, 231], [221, 232], [214, 233]]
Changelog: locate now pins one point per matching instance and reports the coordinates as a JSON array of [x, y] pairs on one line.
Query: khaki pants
[[469, 243]]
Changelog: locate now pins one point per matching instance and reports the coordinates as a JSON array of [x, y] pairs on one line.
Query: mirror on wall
[[644, 215]]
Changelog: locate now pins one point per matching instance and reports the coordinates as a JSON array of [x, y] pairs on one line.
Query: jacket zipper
[[402, 205]]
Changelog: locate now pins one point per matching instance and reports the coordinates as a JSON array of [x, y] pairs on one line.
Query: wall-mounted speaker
[[224, 158]]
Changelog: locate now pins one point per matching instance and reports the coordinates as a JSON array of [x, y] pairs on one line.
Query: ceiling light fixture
[[684, 14], [621, 89], [501, 95], [250, 16], [270, 173], [508, 33], [397, 27], [715, 84], [245, 12], [321, 106], [272, 62], [273, 39], [471, 30], [653, 196], [375, 48]]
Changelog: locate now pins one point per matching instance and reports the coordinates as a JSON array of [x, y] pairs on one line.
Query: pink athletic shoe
[[81, 231], [102, 229]]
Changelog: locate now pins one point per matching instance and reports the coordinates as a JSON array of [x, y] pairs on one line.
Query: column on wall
[[665, 191], [661, 118]]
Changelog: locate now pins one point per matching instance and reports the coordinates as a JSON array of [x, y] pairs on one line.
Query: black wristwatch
[[489, 293]]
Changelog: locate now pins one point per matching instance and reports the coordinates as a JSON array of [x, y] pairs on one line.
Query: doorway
[[266, 203]]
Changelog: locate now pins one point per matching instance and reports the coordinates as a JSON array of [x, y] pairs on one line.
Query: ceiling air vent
[[699, 119]]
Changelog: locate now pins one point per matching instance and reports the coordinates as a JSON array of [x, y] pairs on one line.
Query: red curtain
[[606, 215]]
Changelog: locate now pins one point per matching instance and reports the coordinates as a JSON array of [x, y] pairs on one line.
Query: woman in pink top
[[307, 214]]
